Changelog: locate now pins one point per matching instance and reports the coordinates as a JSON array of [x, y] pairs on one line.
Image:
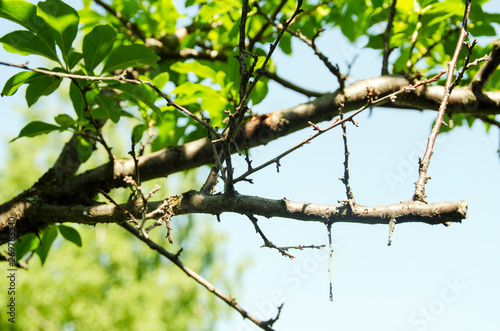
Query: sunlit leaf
[[97, 44], [14, 82], [43, 85], [126, 56], [26, 43], [36, 128], [62, 22]]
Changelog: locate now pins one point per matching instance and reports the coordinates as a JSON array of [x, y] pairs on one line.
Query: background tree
[[417, 32]]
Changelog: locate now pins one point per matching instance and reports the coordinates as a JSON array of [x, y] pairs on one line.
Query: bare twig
[[345, 179], [334, 69], [120, 208], [419, 194], [330, 254], [174, 258], [484, 73], [292, 86], [414, 37], [302, 247], [337, 122], [387, 37], [268, 243], [266, 24]]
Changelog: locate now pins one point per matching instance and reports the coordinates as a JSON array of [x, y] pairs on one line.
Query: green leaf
[[84, 148], [43, 85], [77, 99], [70, 234], [109, 106], [48, 237], [96, 45], [202, 71], [26, 43], [73, 58], [126, 56], [209, 10], [160, 80], [17, 80], [62, 22], [140, 95], [259, 92], [286, 44], [36, 128], [26, 244], [64, 120], [138, 132], [20, 12]]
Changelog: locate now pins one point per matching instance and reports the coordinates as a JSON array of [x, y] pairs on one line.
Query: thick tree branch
[[258, 130], [40, 215]]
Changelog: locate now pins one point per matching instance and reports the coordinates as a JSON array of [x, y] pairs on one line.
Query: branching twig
[[120, 208], [336, 122], [484, 73], [266, 24], [268, 243], [419, 194], [334, 69], [174, 258]]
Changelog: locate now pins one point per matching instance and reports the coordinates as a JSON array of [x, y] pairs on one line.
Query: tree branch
[[193, 202], [425, 161], [258, 130], [174, 258]]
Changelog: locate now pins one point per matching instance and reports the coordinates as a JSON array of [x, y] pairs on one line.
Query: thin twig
[[334, 69], [122, 79], [330, 254], [292, 86], [387, 37], [133, 29], [345, 179], [268, 243], [302, 247], [419, 194], [414, 37], [266, 24], [174, 258], [484, 73], [336, 122], [120, 208]]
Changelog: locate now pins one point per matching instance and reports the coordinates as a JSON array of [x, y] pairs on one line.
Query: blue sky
[[431, 278]]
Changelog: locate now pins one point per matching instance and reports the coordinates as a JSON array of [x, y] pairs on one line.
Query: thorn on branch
[[392, 225]]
